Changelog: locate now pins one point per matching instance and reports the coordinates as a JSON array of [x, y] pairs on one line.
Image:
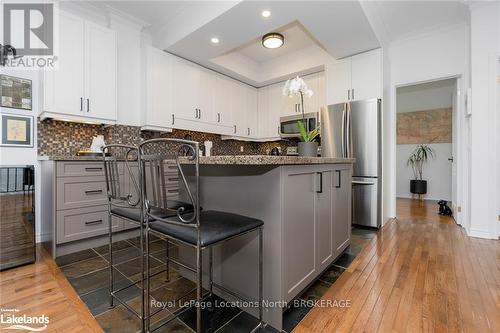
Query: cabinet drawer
[[79, 169], [78, 192], [74, 224]]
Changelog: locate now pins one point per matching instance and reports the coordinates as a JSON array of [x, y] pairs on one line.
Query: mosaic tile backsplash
[[59, 138]]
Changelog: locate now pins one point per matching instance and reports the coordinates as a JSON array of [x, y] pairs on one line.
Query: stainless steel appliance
[[352, 129], [289, 127], [17, 221]]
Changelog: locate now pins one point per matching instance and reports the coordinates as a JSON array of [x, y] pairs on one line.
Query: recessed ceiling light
[[273, 40], [214, 40], [266, 13]]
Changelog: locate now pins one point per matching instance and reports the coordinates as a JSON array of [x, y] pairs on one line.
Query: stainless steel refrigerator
[[352, 129]]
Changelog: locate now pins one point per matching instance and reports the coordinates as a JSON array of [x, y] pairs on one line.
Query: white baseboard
[[479, 233]]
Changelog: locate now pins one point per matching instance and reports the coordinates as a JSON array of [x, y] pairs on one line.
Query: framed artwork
[[15, 92], [16, 130]]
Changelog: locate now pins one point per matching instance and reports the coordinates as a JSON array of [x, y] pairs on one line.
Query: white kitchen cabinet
[[186, 77], [224, 101], [355, 78], [339, 84], [100, 71], [64, 87], [158, 115], [366, 69], [84, 84], [252, 116]]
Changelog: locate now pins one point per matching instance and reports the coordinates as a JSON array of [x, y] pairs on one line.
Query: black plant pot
[[418, 186]]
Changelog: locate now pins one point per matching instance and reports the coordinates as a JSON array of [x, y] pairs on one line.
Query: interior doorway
[[426, 143]]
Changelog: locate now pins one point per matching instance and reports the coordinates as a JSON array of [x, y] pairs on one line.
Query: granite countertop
[[269, 160], [228, 159], [69, 158]]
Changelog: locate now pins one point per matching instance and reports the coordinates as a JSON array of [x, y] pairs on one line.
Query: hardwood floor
[[41, 289], [421, 273]]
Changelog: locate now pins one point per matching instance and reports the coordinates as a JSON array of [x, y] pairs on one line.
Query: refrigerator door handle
[[343, 131], [348, 131], [355, 182]]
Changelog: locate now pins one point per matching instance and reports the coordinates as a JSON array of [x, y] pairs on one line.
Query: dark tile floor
[[88, 274]]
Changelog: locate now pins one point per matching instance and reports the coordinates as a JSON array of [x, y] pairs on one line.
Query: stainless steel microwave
[[289, 127]]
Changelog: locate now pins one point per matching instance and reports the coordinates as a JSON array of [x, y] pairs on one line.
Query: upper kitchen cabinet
[[158, 115], [193, 92], [224, 102], [355, 78], [84, 84], [244, 115]]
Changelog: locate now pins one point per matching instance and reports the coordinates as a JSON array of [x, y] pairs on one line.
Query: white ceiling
[[338, 28], [398, 20]]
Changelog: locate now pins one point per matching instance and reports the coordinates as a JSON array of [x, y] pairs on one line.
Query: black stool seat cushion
[[133, 213], [215, 226]]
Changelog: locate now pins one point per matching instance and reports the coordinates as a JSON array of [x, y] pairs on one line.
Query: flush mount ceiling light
[[266, 13], [273, 40], [214, 40]]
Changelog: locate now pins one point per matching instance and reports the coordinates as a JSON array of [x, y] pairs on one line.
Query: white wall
[[437, 172], [484, 131], [428, 96], [428, 57]]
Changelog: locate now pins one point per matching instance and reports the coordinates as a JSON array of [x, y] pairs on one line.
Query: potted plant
[[308, 146], [417, 159]]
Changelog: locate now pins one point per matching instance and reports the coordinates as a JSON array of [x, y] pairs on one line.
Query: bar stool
[[125, 202], [197, 229]]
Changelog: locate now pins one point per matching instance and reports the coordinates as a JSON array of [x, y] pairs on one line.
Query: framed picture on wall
[[16, 130], [15, 92]]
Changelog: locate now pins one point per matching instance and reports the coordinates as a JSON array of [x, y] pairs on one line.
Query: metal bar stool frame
[[116, 199], [189, 222]]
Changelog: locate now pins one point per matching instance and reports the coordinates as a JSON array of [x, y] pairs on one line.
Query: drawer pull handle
[[93, 192], [173, 191], [93, 222], [173, 179], [93, 169]]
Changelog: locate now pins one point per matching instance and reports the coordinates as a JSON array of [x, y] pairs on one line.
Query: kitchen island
[[305, 204]]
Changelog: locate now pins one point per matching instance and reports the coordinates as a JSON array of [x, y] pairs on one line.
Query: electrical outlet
[[242, 149], [459, 208]]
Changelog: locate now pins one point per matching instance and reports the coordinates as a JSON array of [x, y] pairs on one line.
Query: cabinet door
[[299, 232], [252, 116], [310, 103], [185, 89], [264, 122], [367, 75], [224, 100], [64, 87], [159, 89], [205, 88], [324, 218], [342, 185], [239, 110], [100, 72], [338, 76]]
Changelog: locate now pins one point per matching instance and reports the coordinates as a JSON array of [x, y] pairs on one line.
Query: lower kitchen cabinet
[[342, 196], [75, 206], [317, 224]]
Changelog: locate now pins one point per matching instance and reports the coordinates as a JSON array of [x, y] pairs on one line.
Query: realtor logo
[[28, 35]]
